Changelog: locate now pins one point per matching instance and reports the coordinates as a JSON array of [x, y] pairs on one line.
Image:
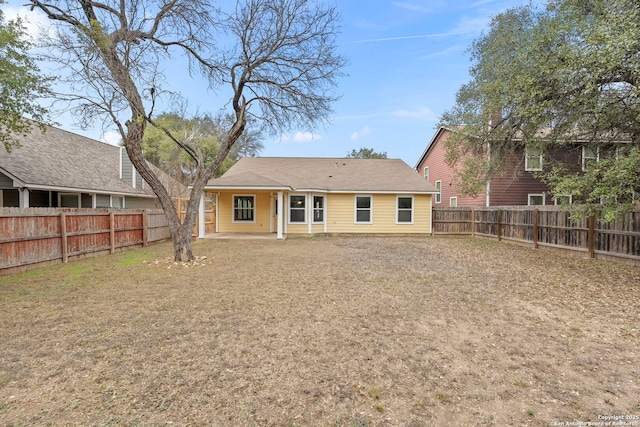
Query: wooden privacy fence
[[548, 226], [36, 235]]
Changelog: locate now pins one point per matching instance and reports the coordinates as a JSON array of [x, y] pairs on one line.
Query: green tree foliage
[[203, 131], [366, 153], [563, 76], [21, 84]]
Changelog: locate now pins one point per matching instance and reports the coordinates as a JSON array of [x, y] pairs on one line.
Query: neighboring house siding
[[139, 203], [515, 184], [127, 169], [5, 181], [511, 187], [440, 171]]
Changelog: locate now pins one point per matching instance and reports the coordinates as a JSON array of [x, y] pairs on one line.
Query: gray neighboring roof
[[323, 174], [60, 160]]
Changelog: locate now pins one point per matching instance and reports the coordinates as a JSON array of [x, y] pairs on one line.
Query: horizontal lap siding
[[297, 229], [225, 213], [440, 171], [340, 215]]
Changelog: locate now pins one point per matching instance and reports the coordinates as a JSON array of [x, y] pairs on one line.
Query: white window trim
[[306, 203], [555, 200], [530, 195], [355, 209], [438, 185], [426, 173], [111, 201], [323, 209], [398, 197], [233, 209], [451, 199], [526, 160], [584, 158]]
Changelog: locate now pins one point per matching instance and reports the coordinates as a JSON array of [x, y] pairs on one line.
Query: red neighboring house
[[515, 186]]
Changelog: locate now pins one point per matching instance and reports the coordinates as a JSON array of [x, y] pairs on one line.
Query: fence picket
[[36, 235], [546, 226]]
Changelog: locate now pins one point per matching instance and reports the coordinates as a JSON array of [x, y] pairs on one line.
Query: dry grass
[[339, 331]]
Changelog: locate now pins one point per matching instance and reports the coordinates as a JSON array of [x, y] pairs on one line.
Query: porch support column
[[279, 234], [201, 224], [309, 213], [23, 194]]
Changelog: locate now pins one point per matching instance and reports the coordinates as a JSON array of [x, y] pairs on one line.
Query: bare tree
[[281, 67]]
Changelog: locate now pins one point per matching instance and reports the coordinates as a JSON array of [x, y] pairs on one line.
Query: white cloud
[[34, 22], [361, 133], [300, 137], [111, 138], [421, 114]]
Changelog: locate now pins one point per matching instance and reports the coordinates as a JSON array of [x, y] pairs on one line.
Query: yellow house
[[284, 195]]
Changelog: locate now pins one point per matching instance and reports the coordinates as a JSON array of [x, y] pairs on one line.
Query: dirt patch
[[339, 331]]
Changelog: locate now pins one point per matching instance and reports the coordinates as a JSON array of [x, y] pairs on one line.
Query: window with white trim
[[244, 208], [536, 199], [297, 208], [439, 193], [533, 159], [453, 202], [590, 155], [117, 202], [363, 209], [318, 209], [426, 173], [404, 213]]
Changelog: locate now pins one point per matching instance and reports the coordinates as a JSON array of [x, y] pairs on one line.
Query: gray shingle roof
[[58, 159], [323, 174]]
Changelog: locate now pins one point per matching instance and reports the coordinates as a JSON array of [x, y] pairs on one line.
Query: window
[[363, 210], [563, 200], [536, 199], [453, 202], [426, 173], [318, 208], [590, 155], [297, 208], [117, 202], [405, 209], [244, 208], [533, 159], [69, 200], [439, 193]]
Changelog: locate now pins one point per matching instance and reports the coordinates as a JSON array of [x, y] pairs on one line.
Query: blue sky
[[406, 59]]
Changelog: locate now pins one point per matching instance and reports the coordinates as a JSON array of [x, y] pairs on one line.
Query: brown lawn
[[330, 331]]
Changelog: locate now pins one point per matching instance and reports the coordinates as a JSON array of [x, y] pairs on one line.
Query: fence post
[[145, 225], [499, 225], [433, 219], [536, 221], [112, 232], [473, 221], [63, 236], [591, 237]]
